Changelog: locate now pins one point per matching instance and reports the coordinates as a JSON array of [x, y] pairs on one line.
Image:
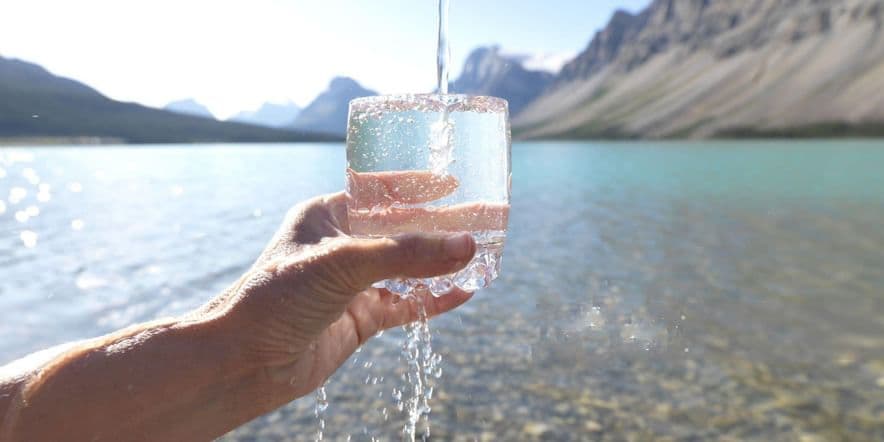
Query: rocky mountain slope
[[702, 68], [488, 72]]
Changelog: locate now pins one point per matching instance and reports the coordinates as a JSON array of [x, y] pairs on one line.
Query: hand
[[277, 334], [305, 306]]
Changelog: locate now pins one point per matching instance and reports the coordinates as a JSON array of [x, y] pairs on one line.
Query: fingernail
[[459, 246]]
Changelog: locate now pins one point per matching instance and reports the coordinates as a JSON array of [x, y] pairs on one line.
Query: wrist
[[244, 386]]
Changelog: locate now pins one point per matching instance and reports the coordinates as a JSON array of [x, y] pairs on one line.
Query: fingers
[[456, 218], [370, 189], [406, 311], [365, 261], [376, 310], [337, 205]]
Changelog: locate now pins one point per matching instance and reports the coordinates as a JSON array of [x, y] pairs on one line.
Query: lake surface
[[649, 290]]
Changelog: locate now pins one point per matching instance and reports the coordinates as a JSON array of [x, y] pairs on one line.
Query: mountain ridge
[[327, 113], [189, 106], [707, 68], [36, 104], [487, 71], [276, 115]]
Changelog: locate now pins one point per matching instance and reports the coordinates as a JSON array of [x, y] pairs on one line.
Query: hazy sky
[[234, 55]]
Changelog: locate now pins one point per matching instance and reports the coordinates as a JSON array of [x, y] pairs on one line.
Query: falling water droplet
[[319, 408]]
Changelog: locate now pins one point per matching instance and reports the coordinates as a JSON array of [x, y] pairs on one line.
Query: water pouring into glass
[[430, 163], [403, 176]]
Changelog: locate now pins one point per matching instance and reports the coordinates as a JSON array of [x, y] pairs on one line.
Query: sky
[[234, 55]]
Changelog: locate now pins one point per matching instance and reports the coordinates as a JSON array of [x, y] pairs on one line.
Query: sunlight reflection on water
[[647, 289]]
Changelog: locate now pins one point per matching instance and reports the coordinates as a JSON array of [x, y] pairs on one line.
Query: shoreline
[[119, 142]]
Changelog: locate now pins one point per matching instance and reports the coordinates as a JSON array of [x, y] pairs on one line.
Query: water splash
[[319, 407], [441, 143], [423, 368], [476, 275], [442, 131]]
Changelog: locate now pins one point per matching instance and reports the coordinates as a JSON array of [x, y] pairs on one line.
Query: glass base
[[478, 274]]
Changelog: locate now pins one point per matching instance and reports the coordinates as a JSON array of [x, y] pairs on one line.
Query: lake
[[650, 290]]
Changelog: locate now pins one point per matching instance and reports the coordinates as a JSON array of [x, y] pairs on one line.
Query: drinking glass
[[431, 163]]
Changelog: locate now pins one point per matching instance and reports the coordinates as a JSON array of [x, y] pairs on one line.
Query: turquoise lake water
[[685, 290]]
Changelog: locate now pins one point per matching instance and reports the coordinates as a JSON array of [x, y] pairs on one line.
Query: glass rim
[[430, 102]]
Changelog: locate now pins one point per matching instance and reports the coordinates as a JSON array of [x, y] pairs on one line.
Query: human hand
[[306, 306], [276, 335]]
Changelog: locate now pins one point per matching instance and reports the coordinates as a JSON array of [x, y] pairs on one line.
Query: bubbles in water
[[440, 286], [400, 286], [441, 143], [472, 278], [478, 274]]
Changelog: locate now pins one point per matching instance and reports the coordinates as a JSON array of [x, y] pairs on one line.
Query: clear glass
[[431, 163]]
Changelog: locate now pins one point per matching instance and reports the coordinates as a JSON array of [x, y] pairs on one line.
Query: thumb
[[355, 264]]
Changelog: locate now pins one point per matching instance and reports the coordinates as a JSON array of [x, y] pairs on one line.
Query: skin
[[382, 200], [276, 335]]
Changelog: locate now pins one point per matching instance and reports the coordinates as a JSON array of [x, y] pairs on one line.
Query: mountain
[[189, 106], [704, 68], [551, 62], [488, 72], [269, 115], [35, 103], [327, 114]]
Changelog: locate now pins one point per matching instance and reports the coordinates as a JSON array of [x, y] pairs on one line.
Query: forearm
[[160, 381]]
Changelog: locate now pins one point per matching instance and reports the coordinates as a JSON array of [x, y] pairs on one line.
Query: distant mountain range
[[35, 103], [677, 69], [270, 115], [189, 107], [722, 68], [327, 114]]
